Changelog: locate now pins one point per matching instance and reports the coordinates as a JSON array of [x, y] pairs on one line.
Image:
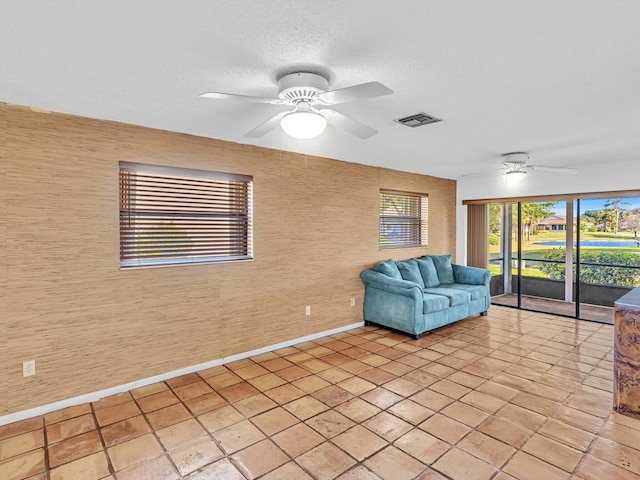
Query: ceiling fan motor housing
[[515, 160], [301, 87]]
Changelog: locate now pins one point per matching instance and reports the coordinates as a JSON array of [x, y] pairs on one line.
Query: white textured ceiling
[[559, 79]]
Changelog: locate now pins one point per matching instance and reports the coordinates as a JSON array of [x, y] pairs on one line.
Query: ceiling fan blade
[[244, 98], [356, 92], [543, 168], [484, 173], [267, 126], [348, 124]]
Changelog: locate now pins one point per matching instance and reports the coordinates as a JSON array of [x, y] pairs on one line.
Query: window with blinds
[[403, 219], [172, 216]]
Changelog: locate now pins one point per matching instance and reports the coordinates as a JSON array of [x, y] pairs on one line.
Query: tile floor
[[511, 395]]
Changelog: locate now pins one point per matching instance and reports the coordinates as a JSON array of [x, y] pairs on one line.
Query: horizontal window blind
[[176, 216], [403, 219]]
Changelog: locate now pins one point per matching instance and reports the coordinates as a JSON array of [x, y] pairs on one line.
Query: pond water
[[593, 243]]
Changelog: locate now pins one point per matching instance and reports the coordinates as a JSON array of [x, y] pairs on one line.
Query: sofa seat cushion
[[455, 296], [434, 303], [476, 291]]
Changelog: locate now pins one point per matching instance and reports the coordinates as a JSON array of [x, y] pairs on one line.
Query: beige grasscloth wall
[[89, 325]]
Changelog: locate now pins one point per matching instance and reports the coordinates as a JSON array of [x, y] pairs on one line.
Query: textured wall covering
[[65, 302]]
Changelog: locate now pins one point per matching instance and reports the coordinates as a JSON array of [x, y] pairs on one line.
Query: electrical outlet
[[28, 368], [308, 310], [353, 301]]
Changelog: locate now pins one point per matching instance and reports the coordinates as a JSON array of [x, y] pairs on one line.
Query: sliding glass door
[[566, 257]]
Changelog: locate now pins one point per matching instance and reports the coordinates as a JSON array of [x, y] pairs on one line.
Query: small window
[[403, 219], [172, 216]]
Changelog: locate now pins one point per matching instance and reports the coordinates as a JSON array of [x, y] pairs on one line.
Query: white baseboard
[[95, 396]]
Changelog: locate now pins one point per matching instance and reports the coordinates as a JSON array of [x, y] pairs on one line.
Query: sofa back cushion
[[443, 267], [409, 271], [428, 272], [389, 268]]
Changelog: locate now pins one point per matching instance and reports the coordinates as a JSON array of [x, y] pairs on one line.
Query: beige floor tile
[[358, 410], [387, 426], [192, 390], [183, 380], [335, 375], [465, 413], [288, 471], [358, 473], [298, 439], [266, 382], [449, 388], [238, 391], [326, 461], [486, 448], [311, 383], [377, 376], [411, 411], [238, 436], [594, 468], [259, 459], [274, 421], [67, 413], [70, 428], [254, 405], [445, 428], [458, 464], [91, 467], [223, 380], [332, 395], [579, 419], [506, 431], [159, 468], [571, 436], [134, 451], [306, 407], [180, 433], [293, 373], [23, 466], [124, 431], [284, 394], [74, 448], [205, 403], [356, 385], [359, 442], [20, 427], [168, 416], [220, 470], [553, 452], [432, 400], [422, 446], [393, 464], [483, 401], [25, 442], [525, 467], [617, 454], [521, 416], [329, 423], [149, 390], [276, 364], [151, 403], [220, 418], [112, 400], [381, 397], [191, 456]]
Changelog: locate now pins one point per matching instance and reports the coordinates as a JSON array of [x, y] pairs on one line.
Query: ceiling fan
[[309, 95], [515, 167]]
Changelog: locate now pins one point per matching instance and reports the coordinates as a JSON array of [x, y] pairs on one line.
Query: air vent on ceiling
[[417, 120]]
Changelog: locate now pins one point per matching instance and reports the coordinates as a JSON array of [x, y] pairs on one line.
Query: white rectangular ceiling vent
[[417, 120]]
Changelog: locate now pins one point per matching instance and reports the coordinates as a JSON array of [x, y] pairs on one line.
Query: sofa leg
[[367, 323], [417, 336], [483, 314]]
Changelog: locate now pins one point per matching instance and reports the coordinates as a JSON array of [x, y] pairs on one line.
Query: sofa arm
[[471, 275], [371, 278]]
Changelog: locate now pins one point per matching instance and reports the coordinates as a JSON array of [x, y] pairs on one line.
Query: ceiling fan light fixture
[[515, 176], [303, 124]]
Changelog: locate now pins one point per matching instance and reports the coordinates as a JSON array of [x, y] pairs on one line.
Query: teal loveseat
[[421, 294]]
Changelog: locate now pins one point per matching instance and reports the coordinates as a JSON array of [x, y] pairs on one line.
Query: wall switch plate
[[308, 310], [28, 368], [353, 301]]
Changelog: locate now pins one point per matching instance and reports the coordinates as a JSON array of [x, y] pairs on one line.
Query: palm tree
[[614, 204]]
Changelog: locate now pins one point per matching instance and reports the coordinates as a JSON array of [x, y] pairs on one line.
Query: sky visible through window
[[596, 204]]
